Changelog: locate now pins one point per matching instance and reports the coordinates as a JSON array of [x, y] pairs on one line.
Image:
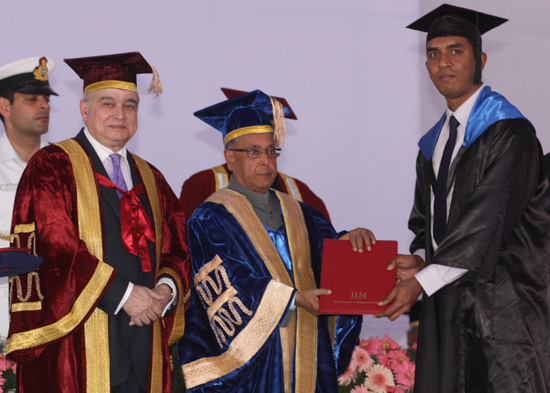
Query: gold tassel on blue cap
[[278, 121], [250, 113]]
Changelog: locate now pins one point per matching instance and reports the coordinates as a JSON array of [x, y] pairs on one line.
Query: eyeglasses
[[253, 152]]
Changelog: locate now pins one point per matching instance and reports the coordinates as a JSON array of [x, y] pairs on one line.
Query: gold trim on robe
[[89, 218], [221, 176], [90, 230], [247, 343], [305, 324], [149, 182], [292, 187], [27, 306]]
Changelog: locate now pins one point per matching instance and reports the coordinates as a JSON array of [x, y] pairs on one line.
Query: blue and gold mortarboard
[[251, 113], [232, 93]]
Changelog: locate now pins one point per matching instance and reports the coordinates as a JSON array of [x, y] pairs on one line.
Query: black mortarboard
[[448, 20], [483, 22]]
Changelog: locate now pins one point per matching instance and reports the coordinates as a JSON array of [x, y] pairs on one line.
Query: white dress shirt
[[104, 155], [11, 169], [434, 276]]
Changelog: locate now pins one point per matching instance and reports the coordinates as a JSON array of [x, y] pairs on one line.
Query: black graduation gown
[[489, 331]]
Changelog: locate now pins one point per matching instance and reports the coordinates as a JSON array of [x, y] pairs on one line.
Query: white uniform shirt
[[435, 277], [11, 169]]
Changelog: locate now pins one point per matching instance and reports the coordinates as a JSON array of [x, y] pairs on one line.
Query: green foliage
[[9, 376]]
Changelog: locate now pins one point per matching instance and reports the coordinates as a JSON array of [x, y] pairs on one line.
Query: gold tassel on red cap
[[278, 121], [156, 85]]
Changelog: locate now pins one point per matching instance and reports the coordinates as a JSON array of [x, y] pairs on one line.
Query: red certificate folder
[[358, 280]]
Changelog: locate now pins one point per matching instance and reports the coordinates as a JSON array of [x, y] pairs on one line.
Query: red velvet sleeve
[[45, 215], [196, 189]]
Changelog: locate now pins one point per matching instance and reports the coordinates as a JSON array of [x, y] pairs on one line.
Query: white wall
[[348, 69], [351, 71]]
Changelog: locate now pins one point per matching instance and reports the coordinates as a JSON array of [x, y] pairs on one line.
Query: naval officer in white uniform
[[25, 112]]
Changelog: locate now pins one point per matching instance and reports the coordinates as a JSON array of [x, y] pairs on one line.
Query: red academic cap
[[232, 93], [483, 22], [117, 71]]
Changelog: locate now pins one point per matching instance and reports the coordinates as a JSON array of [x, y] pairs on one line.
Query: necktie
[[116, 176], [440, 188]]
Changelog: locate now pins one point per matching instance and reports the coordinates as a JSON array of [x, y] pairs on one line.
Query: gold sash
[[301, 333]]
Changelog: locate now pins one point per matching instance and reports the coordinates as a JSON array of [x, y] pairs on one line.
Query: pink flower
[[346, 378], [362, 359], [383, 359], [372, 345], [382, 365], [4, 365], [397, 389], [360, 389], [388, 344], [378, 378], [404, 373], [397, 356]]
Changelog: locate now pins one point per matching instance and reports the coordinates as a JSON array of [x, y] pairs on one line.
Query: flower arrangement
[[7, 370], [380, 366]]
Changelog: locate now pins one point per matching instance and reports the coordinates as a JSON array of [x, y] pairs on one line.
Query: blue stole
[[489, 108], [279, 240]]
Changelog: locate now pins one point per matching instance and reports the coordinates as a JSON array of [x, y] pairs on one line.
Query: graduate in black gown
[[481, 219]]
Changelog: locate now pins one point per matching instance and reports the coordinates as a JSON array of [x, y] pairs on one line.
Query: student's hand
[[407, 266], [404, 295]]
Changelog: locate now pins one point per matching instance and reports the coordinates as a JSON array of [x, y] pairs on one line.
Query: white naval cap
[[28, 76]]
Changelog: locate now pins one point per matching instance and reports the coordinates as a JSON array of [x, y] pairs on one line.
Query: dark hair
[[453, 25], [232, 143]]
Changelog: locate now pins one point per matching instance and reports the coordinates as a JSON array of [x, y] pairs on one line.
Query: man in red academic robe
[[100, 313]]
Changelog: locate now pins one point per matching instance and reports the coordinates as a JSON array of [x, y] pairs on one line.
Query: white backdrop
[[351, 71]]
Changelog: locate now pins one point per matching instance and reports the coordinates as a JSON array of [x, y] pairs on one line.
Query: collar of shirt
[[265, 205], [461, 114], [8, 153], [104, 152]]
